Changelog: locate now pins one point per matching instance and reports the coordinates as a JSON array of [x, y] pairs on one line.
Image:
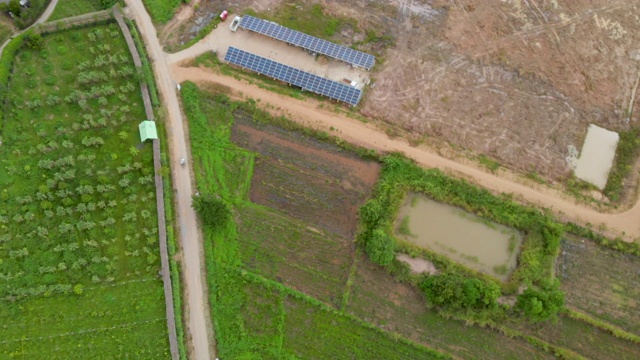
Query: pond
[[463, 237]]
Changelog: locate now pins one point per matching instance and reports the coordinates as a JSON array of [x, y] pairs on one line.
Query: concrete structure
[[596, 157]]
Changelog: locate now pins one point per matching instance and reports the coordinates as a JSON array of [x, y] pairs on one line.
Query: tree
[[214, 213], [380, 247], [14, 7], [34, 41], [541, 304]]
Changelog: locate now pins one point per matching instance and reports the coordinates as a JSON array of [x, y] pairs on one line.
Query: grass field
[[601, 282], [161, 11], [78, 218], [69, 8]]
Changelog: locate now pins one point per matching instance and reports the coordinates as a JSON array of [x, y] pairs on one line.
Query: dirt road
[[309, 113], [193, 269]]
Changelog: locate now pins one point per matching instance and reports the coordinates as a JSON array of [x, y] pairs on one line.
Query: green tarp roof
[[148, 130]]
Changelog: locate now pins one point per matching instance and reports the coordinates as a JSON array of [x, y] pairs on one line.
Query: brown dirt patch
[[306, 179]]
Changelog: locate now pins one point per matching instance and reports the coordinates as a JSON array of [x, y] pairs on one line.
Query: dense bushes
[[380, 247], [457, 292], [213, 212], [543, 303], [29, 15]]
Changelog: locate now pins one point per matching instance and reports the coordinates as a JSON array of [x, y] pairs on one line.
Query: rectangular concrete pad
[[596, 158]]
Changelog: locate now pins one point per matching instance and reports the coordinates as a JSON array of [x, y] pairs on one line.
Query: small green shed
[[148, 130]]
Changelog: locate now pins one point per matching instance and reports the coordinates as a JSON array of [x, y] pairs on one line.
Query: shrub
[[541, 304], [213, 212], [457, 292], [380, 247]]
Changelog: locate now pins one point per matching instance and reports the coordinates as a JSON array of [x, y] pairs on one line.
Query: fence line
[[162, 228], [73, 21]]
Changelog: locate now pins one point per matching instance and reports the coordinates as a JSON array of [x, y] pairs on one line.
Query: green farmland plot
[[288, 286], [78, 248], [69, 8]]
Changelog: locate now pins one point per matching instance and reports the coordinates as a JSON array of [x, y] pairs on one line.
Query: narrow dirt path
[[308, 112], [190, 239]]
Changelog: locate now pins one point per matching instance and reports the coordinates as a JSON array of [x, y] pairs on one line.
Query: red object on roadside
[[224, 15]]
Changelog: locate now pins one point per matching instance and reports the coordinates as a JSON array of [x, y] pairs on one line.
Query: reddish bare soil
[[306, 179]]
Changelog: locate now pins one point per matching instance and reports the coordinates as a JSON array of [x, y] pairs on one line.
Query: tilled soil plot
[[306, 179], [601, 282]]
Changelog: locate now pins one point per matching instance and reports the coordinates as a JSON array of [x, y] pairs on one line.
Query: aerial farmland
[[285, 179]]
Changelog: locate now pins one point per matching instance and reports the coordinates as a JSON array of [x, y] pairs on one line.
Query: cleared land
[[79, 240], [69, 8], [601, 282], [517, 84]]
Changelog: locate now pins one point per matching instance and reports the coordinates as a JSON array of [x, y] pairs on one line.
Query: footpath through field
[[309, 113], [193, 269]]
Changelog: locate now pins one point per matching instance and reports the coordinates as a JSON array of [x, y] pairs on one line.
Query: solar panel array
[[307, 81], [308, 42]]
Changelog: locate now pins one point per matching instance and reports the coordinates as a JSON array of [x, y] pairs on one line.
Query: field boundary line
[[346, 293], [602, 325], [85, 331], [162, 227]]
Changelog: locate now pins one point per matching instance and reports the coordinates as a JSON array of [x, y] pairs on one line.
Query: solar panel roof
[[297, 77], [308, 42]]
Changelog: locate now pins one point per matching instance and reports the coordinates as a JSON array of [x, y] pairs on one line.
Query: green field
[[161, 11], [77, 206], [69, 8]]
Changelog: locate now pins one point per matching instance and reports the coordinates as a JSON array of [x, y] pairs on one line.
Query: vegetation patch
[[378, 297], [626, 156], [161, 11], [69, 8], [77, 212], [23, 17], [600, 282]]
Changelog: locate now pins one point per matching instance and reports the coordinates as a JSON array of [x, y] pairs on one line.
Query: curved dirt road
[[308, 113], [197, 305]]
